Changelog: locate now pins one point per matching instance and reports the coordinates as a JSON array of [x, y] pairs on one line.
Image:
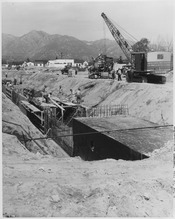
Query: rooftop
[[140, 135]]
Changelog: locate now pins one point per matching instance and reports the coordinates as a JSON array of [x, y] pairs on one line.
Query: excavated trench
[[16, 123], [97, 146], [107, 95]]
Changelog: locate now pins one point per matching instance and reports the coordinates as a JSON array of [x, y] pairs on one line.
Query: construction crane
[[118, 38], [138, 60]]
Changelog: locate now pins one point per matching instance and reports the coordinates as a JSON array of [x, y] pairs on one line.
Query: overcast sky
[[149, 19]]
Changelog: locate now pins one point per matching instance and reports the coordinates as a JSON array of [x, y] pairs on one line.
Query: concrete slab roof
[[140, 135]]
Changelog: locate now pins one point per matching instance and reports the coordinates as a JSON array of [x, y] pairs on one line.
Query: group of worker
[[9, 83], [45, 94], [118, 73], [74, 97], [15, 81], [122, 71]]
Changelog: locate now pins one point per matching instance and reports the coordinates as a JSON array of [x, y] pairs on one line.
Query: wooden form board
[[30, 106]]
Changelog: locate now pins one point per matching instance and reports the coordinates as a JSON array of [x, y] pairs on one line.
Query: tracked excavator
[[101, 67], [138, 60]]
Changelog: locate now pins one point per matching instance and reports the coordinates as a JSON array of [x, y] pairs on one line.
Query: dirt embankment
[[153, 102], [25, 130]]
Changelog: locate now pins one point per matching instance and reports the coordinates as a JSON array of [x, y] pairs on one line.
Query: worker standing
[[72, 96], [43, 92], [50, 95], [130, 73], [15, 81], [20, 81], [113, 74], [60, 90], [78, 96], [119, 72]]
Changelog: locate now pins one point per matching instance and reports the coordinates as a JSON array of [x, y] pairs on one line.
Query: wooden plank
[[48, 105], [70, 104], [25, 102], [33, 108], [62, 109], [56, 99], [30, 106]]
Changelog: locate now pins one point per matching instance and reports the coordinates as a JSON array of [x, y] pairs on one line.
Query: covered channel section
[[119, 137]]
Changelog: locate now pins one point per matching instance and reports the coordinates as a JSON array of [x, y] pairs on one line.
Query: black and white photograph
[[87, 108]]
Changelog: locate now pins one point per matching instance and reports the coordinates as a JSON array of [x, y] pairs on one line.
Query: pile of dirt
[[169, 76], [165, 153]]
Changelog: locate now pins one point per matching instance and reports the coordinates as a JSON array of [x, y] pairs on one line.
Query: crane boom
[[118, 38]]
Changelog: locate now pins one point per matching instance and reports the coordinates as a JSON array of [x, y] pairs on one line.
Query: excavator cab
[[139, 65], [140, 61]]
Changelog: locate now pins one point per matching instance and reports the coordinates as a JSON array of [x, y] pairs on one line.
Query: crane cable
[[104, 34], [124, 32]]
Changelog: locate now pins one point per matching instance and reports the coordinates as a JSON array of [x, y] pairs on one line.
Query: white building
[[85, 64], [30, 64], [60, 63], [160, 61]]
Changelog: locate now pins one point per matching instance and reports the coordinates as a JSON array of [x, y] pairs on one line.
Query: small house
[[40, 63], [30, 64], [60, 63], [79, 63], [85, 64]]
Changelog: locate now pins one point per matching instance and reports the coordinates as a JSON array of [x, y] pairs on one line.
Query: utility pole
[[61, 54]]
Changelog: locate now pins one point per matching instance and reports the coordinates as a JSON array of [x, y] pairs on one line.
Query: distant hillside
[[41, 45]]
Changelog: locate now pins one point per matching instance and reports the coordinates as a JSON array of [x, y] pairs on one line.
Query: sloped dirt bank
[[12, 114], [153, 102]]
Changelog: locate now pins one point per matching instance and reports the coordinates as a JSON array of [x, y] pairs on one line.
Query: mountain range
[[39, 45]]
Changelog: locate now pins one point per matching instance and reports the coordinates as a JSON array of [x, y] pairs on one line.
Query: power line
[[124, 32], [90, 133], [104, 32], [100, 132]]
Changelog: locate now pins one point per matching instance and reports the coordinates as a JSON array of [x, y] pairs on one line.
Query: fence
[[107, 111]]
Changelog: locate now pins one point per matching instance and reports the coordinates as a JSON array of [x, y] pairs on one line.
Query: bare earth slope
[[12, 114]]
